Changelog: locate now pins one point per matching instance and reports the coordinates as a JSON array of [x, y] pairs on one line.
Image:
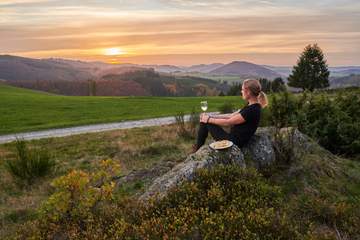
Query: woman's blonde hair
[[254, 87]]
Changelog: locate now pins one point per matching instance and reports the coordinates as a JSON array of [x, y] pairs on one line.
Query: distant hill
[[282, 70], [19, 68], [201, 68], [204, 68], [69, 77], [334, 71], [54, 72], [157, 84], [245, 70], [14, 68], [348, 81], [163, 68], [344, 71], [136, 83]]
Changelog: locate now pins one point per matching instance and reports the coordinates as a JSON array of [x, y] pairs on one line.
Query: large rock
[[258, 153], [205, 157]]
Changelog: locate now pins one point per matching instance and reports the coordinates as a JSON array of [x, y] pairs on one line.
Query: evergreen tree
[[235, 89], [311, 70], [265, 85], [278, 85]]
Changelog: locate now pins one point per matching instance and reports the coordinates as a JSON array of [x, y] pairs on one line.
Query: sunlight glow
[[113, 51]]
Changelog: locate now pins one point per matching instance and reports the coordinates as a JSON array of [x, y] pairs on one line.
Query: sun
[[113, 51]]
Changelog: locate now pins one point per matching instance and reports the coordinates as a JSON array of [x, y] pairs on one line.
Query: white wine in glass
[[204, 105]]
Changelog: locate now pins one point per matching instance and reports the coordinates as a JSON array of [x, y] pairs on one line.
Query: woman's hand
[[204, 118]]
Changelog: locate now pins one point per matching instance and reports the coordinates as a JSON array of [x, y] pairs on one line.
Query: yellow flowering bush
[[226, 202], [78, 203]]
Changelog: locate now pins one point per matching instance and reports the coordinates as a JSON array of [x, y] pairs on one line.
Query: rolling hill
[[352, 80], [130, 82], [245, 70], [78, 78], [204, 68], [72, 77]]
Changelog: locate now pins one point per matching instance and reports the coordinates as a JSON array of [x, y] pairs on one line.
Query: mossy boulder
[[258, 153]]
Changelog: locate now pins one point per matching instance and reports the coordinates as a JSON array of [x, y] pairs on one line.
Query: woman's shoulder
[[252, 106]]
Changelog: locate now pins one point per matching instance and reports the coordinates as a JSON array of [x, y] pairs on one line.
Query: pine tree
[[311, 70], [235, 89], [278, 85], [265, 85]]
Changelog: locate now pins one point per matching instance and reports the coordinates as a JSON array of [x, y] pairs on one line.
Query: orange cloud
[[160, 30]]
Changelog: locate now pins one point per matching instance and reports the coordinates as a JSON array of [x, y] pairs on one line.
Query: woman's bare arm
[[225, 116], [236, 119]]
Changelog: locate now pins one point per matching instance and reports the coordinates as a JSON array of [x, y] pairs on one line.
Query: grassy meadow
[[149, 152], [316, 182], [23, 110], [318, 192]]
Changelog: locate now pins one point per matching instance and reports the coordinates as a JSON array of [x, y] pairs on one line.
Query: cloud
[[177, 26]]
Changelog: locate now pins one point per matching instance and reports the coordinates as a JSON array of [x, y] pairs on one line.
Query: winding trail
[[62, 132]]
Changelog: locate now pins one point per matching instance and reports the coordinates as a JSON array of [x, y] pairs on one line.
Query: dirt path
[[62, 132]]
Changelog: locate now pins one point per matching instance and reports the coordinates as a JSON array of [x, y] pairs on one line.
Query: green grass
[[23, 110], [150, 150]]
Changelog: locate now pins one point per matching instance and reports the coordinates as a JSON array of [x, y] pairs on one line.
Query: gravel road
[[62, 132]]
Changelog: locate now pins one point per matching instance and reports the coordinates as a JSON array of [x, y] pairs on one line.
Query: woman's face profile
[[244, 92]]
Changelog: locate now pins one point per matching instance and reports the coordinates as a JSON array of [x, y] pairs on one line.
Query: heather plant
[[225, 202]]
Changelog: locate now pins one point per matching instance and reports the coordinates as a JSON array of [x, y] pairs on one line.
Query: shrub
[[79, 208], [278, 85], [284, 145], [340, 218], [333, 122], [29, 165], [223, 203], [227, 107], [283, 115], [78, 193], [226, 202], [283, 109], [184, 130]]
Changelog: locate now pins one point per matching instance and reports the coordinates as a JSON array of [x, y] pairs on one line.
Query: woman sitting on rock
[[243, 123]]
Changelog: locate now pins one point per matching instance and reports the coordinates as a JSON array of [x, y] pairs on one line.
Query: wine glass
[[204, 105]]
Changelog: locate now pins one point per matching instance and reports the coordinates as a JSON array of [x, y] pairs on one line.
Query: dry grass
[[148, 151]]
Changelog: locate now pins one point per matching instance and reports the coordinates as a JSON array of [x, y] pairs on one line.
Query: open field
[[23, 110]]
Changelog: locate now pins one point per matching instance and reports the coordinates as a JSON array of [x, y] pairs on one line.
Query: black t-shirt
[[241, 133]]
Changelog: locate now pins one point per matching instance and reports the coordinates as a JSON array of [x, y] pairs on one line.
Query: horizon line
[[162, 64]]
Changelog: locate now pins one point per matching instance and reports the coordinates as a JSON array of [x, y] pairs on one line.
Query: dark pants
[[216, 132]]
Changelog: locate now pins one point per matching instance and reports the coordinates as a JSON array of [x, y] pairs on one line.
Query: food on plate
[[221, 144]]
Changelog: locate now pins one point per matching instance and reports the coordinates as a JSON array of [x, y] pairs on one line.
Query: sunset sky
[[181, 32]]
